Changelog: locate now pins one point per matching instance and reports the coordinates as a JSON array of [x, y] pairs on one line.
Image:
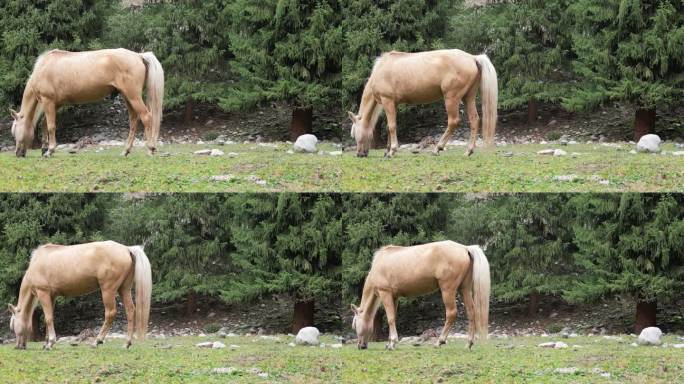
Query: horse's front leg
[[388, 301], [50, 110], [391, 113], [44, 140], [47, 302]]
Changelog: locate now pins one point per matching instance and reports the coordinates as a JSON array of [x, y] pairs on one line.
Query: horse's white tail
[[490, 95], [481, 288], [143, 290], [155, 92]]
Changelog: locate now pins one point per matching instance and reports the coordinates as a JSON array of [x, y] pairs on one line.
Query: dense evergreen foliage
[[238, 54], [318, 247]]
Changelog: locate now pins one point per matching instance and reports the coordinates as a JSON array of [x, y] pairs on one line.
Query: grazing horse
[[421, 78], [61, 77], [420, 270], [75, 270]]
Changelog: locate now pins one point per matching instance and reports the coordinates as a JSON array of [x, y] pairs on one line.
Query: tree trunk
[[191, 303], [302, 122], [36, 334], [303, 315], [188, 115], [378, 334], [644, 122], [532, 108], [533, 305], [645, 315]]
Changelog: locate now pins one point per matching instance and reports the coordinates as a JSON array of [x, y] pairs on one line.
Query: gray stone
[[206, 344], [567, 370], [649, 143], [306, 144], [222, 178], [226, 370], [216, 152], [307, 336], [565, 177], [553, 344], [546, 152], [218, 345], [203, 152], [559, 152]]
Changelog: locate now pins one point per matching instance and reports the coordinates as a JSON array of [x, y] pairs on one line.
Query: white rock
[[338, 345], [650, 336], [678, 153], [217, 345], [568, 370], [203, 152], [559, 152], [677, 345], [649, 143], [222, 178], [336, 153], [206, 344], [112, 143], [553, 344], [565, 177], [226, 370], [216, 152], [307, 336], [546, 152], [306, 143], [232, 154]]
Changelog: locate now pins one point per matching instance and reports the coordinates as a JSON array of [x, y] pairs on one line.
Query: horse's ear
[[354, 309], [14, 114], [352, 116], [12, 308]]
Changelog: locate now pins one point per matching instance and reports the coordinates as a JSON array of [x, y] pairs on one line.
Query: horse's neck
[[369, 301], [368, 105], [26, 299], [29, 102]]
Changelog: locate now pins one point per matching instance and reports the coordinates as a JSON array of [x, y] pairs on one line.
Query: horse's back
[[71, 270]]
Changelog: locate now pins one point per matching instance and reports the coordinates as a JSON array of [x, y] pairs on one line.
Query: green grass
[[485, 171], [495, 361]]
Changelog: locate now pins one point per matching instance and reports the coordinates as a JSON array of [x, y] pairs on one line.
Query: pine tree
[[190, 40], [28, 28], [528, 43], [288, 51], [287, 243], [531, 247], [628, 51], [632, 245], [187, 239]]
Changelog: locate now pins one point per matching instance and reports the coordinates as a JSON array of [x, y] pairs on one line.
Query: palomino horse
[[61, 77], [74, 270], [419, 270], [421, 78]]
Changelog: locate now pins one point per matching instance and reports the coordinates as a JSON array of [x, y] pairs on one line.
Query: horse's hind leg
[[452, 105], [146, 117], [47, 302], [449, 299], [109, 301], [473, 119], [133, 121], [388, 301], [467, 294], [127, 298]]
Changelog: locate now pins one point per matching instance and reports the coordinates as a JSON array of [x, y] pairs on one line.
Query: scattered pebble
[[553, 344], [567, 370], [565, 178], [222, 178]]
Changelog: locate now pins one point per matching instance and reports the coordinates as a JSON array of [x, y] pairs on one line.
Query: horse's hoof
[[468, 152], [362, 154], [43, 150]]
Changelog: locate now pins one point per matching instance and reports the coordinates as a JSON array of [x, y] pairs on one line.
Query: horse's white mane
[[12, 323]]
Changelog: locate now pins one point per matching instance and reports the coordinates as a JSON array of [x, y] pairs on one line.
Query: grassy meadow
[[256, 168]]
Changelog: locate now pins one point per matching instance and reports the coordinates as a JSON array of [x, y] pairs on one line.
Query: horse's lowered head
[[362, 132], [363, 325], [21, 331], [22, 131]]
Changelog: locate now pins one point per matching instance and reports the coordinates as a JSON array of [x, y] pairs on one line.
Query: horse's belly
[[88, 95]]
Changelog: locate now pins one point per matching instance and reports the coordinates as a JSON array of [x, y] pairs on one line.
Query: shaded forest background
[[314, 56], [316, 249]]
